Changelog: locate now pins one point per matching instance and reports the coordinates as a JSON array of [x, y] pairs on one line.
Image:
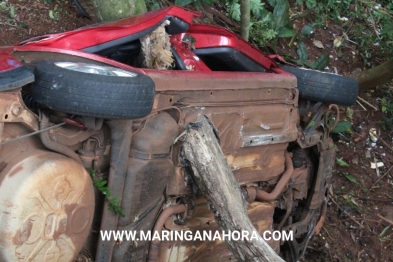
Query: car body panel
[[256, 113]]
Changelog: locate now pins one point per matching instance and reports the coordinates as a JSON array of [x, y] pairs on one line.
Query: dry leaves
[[318, 44]]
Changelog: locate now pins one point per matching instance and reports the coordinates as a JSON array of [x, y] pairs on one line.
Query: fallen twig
[[387, 172], [327, 233], [217, 13], [374, 199], [367, 103], [386, 144], [349, 216], [362, 106], [300, 15], [385, 219]]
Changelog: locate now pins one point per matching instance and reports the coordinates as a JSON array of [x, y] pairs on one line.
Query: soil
[[33, 17], [359, 219]]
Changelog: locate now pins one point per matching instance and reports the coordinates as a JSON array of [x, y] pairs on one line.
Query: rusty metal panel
[[13, 109], [324, 176], [261, 215], [46, 203], [183, 80], [253, 138]]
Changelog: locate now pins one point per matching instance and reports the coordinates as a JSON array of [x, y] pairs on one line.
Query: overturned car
[[108, 102]]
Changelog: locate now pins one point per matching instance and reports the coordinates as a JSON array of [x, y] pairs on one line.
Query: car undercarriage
[[81, 115]]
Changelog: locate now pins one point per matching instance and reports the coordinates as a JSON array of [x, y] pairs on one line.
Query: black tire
[[324, 87], [15, 78], [88, 94]]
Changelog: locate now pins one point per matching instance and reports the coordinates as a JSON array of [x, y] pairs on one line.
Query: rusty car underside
[[50, 210], [258, 122]]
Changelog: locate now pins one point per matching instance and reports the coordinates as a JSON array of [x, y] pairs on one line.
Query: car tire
[[93, 90], [324, 87]]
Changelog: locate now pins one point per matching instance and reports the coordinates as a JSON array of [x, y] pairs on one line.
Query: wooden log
[[215, 179], [375, 76]]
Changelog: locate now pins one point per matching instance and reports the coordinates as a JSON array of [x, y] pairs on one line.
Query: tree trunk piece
[[215, 179], [245, 19], [375, 76], [107, 10]]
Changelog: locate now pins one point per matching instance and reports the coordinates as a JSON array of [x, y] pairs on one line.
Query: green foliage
[[308, 3], [382, 236], [387, 109], [234, 11], [306, 31], [8, 15], [265, 26], [321, 63], [341, 162], [260, 31], [349, 112], [12, 11], [196, 2], [54, 14], [302, 52], [101, 185], [369, 23], [256, 6], [342, 126], [286, 32], [280, 14], [384, 231], [152, 5], [350, 177]]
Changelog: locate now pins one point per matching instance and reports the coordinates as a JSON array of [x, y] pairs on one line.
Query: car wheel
[[324, 87], [93, 90]]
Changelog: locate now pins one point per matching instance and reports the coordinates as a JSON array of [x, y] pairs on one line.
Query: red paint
[[206, 36], [189, 58], [90, 36], [7, 62]]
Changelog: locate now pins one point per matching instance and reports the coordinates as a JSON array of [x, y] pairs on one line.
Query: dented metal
[[46, 203], [47, 200]]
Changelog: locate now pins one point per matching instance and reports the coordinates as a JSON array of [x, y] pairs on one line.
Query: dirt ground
[[33, 17], [359, 220]]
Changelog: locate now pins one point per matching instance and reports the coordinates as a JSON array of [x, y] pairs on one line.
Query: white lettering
[[118, 235], [287, 236], [226, 235], [179, 235], [156, 236], [254, 235], [207, 235], [188, 235], [106, 235], [165, 235], [216, 236], [245, 235], [130, 235], [265, 237], [276, 235], [198, 236], [236, 235], [145, 236]]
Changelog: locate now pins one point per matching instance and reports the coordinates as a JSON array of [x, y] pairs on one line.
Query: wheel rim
[[95, 69]]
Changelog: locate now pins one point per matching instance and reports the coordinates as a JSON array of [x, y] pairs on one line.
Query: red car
[[107, 102]]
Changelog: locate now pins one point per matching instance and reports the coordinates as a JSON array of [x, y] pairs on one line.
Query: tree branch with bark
[[215, 179], [375, 76]]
